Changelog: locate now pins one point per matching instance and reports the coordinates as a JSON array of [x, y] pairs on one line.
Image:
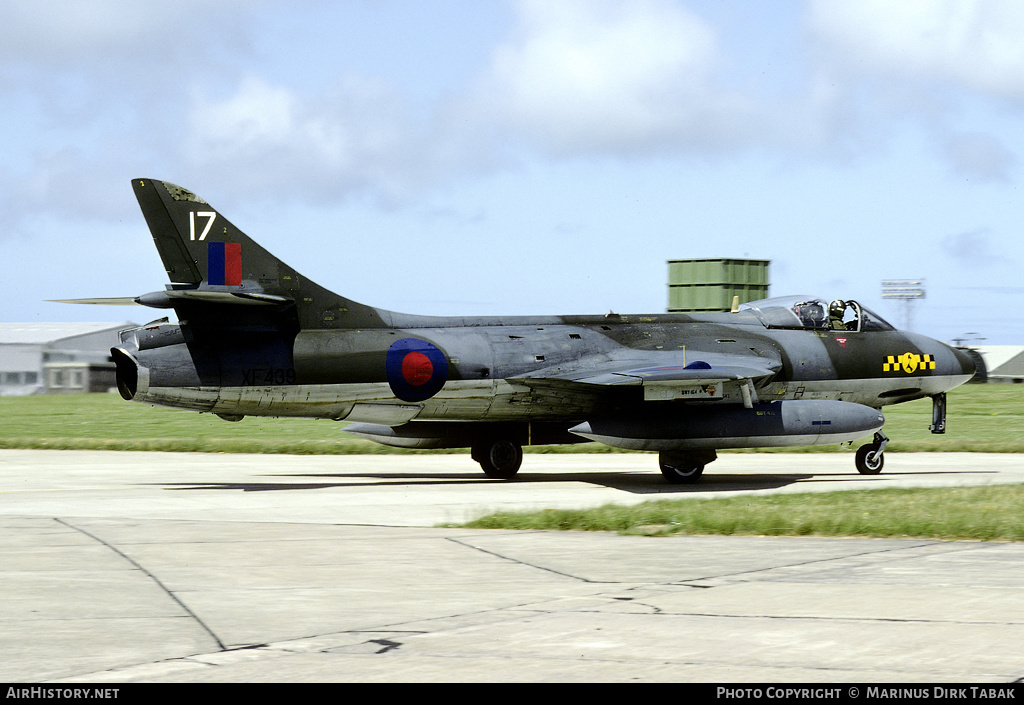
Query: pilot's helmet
[[837, 308]]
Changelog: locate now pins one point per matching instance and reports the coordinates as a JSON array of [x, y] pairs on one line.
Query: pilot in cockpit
[[837, 318]]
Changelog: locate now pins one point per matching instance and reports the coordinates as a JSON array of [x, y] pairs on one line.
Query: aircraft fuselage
[[334, 373]]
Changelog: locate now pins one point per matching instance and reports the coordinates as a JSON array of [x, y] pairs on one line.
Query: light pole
[[967, 337], [905, 290]]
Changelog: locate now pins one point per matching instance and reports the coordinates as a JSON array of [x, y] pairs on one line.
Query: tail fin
[[211, 262]]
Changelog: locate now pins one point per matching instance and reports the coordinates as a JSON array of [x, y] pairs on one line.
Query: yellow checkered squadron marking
[[908, 362]]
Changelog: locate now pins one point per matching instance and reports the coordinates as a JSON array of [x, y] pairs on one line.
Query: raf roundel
[[416, 369]]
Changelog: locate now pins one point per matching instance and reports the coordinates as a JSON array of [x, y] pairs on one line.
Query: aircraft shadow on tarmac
[[625, 481]]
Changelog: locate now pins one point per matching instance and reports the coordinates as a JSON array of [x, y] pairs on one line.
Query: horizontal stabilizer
[[167, 299], [111, 301]]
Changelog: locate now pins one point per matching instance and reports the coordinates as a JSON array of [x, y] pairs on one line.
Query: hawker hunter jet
[[254, 337]]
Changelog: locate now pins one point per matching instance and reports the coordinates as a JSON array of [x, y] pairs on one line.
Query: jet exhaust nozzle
[[127, 373]]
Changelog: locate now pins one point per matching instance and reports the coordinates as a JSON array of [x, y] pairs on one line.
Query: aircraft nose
[[966, 362], [955, 364]]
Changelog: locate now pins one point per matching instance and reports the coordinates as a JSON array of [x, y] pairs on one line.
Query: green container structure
[[710, 284]]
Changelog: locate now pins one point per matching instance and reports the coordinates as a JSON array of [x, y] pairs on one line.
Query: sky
[[514, 157]]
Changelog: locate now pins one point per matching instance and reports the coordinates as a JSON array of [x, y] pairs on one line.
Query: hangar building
[[57, 358], [1003, 363]]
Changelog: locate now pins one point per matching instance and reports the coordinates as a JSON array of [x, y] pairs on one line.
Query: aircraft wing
[[709, 376]]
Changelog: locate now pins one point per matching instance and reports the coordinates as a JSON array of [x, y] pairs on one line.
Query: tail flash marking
[[224, 263]]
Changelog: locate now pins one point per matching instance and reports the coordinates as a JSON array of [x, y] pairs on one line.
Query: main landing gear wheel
[[681, 475], [499, 459], [869, 458], [683, 468]]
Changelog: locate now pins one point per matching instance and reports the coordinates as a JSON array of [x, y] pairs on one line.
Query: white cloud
[[71, 33], [357, 135], [155, 83], [975, 44], [940, 65], [53, 32], [257, 115], [603, 75]]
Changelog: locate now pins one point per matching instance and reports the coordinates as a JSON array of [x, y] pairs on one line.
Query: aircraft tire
[[499, 459], [681, 474], [869, 461]]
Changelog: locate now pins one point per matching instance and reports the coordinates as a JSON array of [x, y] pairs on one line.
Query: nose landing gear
[[869, 458]]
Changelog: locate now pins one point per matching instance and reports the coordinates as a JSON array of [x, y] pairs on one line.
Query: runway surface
[[120, 567]]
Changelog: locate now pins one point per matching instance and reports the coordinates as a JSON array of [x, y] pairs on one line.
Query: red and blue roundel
[[416, 370]]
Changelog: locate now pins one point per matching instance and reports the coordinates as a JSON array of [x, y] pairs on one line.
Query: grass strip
[[988, 513]]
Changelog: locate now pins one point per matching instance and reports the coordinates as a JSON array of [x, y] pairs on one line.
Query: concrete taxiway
[[120, 567]]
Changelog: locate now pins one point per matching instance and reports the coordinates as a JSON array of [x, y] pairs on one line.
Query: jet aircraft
[[254, 337]]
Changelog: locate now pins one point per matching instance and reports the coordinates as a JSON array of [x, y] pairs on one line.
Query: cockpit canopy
[[812, 313]]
